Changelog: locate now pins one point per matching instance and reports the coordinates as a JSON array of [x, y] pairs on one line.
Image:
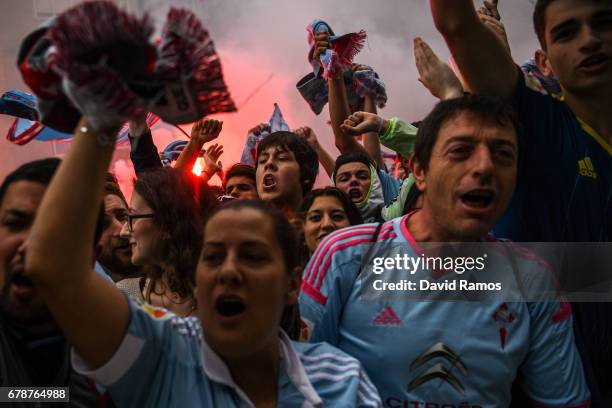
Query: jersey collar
[[217, 371], [593, 133], [587, 128]]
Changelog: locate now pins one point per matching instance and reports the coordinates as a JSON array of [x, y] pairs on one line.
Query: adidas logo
[[585, 167], [387, 317]]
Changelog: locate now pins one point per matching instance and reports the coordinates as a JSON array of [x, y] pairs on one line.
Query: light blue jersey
[[99, 269], [439, 353], [164, 362]]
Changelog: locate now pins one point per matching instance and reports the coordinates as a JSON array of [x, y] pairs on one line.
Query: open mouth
[[593, 62], [21, 287], [269, 181], [355, 194], [22, 281], [124, 247], [479, 199], [229, 306]]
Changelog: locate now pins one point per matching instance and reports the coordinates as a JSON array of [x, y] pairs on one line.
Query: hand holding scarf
[[97, 60]]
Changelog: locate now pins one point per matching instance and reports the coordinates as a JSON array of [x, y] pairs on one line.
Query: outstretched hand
[[211, 157], [206, 130], [434, 74]]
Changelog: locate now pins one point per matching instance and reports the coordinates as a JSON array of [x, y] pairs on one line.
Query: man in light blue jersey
[[440, 353]]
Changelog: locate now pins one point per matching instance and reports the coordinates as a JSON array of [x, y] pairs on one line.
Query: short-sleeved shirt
[[494, 341], [163, 361], [564, 192]]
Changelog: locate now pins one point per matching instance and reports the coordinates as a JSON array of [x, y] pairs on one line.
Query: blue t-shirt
[[390, 186], [163, 361], [564, 193], [99, 269], [402, 344]]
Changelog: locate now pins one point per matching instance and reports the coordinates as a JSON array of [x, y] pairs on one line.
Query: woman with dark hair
[[165, 233], [234, 354], [325, 210]]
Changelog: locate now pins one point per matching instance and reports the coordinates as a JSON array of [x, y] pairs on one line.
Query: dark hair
[[111, 186], [239, 170], [485, 108], [38, 171], [179, 203], [539, 20], [284, 232], [352, 213], [42, 171], [305, 156], [353, 157], [288, 242]]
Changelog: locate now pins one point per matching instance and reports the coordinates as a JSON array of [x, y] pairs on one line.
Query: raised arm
[[394, 133], [484, 63], [61, 251], [370, 139], [204, 131], [339, 108], [143, 153], [326, 160]]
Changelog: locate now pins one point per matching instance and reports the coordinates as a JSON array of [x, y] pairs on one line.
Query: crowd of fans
[[251, 295]]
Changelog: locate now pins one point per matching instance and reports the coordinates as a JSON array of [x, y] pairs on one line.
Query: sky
[[263, 49]]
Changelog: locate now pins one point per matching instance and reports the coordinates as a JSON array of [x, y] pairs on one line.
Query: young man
[[33, 350], [240, 182], [114, 251], [358, 178], [286, 171], [564, 192], [398, 136], [441, 353]]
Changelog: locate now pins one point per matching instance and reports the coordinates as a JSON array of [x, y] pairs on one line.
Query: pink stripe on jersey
[[404, 228], [436, 274], [387, 227], [325, 245], [388, 235], [329, 258], [314, 294], [525, 253]]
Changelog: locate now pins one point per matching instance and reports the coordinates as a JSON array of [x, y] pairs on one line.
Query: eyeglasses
[[131, 217]]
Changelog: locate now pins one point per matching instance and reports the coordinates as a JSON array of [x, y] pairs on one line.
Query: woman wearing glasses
[[164, 230], [233, 355]]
